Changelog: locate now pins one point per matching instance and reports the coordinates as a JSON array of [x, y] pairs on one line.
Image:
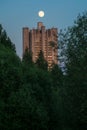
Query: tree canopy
[[33, 97], [5, 40], [74, 48]]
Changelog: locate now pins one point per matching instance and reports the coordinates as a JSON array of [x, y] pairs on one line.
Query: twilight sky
[[15, 14]]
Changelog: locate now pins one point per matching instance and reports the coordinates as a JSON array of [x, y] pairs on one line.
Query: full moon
[[41, 13]]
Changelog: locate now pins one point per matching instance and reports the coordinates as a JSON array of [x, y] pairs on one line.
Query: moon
[[41, 13]]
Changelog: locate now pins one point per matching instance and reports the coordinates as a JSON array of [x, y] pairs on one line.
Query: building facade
[[43, 39]]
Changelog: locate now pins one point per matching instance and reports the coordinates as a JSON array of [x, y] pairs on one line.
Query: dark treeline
[[35, 98]]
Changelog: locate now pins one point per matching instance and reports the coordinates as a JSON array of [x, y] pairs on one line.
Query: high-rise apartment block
[[41, 39]]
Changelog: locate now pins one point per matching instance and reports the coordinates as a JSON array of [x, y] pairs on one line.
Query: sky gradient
[[16, 14]]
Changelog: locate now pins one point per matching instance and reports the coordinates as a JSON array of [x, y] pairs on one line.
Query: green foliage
[[5, 40], [10, 72], [33, 98], [52, 43], [74, 41], [27, 57], [57, 76], [41, 62], [24, 111]]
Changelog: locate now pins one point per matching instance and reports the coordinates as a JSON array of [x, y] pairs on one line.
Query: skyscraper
[[41, 39]]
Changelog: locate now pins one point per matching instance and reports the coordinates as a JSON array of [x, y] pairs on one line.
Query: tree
[[27, 57], [57, 76], [74, 41], [5, 40], [41, 62], [23, 111], [10, 72]]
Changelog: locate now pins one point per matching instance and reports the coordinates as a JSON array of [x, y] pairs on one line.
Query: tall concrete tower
[[41, 39]]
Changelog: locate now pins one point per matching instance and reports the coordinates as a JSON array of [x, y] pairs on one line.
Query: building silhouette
[[41, 39]]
